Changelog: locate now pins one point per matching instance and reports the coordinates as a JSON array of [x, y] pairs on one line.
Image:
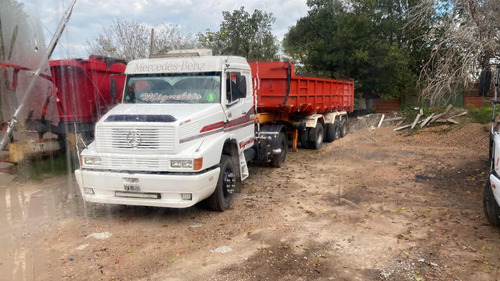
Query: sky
[[191, 16]]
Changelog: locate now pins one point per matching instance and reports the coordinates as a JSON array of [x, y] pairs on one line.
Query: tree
[[362, 39], [465, 41], [242, 34], [130, 40]]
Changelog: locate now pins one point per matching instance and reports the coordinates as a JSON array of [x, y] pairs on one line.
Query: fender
[[211, 148], [272, 131], [331, 116]]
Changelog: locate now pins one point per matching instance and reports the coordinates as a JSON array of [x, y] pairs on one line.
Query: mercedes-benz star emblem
[[134, 139]]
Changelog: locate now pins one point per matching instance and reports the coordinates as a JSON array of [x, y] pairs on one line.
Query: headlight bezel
[[181, 163], [92, 161]]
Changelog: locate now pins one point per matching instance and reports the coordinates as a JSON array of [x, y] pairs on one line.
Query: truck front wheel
[[223, 195], [491, 208], [316, 136]]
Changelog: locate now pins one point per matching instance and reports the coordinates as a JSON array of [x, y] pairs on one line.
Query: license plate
[[131, 184]]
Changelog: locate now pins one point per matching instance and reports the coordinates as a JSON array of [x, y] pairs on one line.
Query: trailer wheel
[[316, 136], [223, 195], [277, 160], [331, 132], [491, 208], [303, 137], [343, 128], [337, 130]]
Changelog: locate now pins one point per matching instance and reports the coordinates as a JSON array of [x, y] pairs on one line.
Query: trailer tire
[[316, 136], [228, 182], [278, 159], [343, 128], [331, 132], [303, 137], [491, 208]]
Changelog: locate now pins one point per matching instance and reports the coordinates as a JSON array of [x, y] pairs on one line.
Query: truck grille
[[131, 163], [135, 139]]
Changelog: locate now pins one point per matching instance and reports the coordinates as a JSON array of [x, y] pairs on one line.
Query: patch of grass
[[482, 115], [40, 169]]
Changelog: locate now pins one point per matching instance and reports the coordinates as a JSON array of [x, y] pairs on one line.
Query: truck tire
[[303, 137], [491, 208], [331, 132], [277, 160], [228, 182], [343, 128], [337, 129], [316, 136]]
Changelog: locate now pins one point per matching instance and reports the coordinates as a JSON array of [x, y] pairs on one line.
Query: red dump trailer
[[85, 89], [279, 89], [314, 108]]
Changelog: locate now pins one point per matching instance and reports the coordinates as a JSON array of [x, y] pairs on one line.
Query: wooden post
[[381, 120]]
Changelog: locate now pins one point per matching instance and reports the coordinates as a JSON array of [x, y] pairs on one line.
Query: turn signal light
[[197, 164]]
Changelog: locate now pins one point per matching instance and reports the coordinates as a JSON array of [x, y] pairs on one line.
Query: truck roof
[[185, 64]]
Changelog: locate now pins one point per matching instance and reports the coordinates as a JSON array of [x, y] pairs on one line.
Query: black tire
[[278, 159], [316, 136], [491, 208], [337, 130], [303, 137], [331, 132], [343, 128], [228, 182]]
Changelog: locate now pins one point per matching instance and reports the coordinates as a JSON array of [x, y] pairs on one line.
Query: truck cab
[[177, 138]]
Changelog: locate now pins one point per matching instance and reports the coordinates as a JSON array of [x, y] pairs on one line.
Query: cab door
[[239, 106]]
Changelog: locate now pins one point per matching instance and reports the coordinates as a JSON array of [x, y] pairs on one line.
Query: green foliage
[[363, 39], [242, 34], [482, 115], [40, 169]]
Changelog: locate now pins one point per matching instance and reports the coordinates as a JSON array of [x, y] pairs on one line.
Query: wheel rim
[[229, 183]]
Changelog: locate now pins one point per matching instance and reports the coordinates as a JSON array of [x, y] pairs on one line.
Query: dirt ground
[[374, 205]]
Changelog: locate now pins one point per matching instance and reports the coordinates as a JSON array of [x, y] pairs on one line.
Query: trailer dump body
[[84, 87], [279, 89]]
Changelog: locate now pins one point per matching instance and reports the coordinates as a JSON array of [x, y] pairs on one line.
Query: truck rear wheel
[[343, 128], [331, 132], [316, 136], [277, 160], [223, 195], [491, 208], [303, 137]]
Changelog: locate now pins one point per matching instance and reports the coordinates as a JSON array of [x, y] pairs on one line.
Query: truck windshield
[[173, 88]]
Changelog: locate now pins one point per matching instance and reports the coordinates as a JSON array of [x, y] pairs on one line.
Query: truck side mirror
[[241, 84]]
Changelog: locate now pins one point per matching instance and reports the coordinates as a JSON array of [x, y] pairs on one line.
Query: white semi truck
[[188, 125]]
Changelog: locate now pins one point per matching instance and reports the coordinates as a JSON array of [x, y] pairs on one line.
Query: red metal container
[[280, 90], [83, 87]]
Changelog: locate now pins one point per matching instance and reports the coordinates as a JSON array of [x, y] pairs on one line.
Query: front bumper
[[109, 187]]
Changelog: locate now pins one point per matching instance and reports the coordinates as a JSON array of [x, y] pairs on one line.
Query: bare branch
[[465, 40]]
